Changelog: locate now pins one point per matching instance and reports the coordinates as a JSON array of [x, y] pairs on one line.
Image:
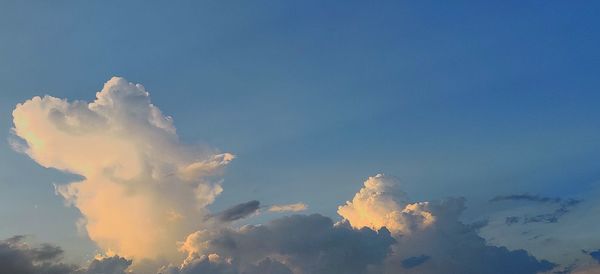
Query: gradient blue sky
[[456, 99]]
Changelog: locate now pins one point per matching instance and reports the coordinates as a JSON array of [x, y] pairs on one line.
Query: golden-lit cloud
[[380, 203], [143, 190]]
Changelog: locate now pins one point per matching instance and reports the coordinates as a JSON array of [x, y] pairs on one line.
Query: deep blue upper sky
[[456, 99]]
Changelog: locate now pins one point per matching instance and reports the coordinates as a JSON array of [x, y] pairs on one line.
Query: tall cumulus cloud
[[143, 190]]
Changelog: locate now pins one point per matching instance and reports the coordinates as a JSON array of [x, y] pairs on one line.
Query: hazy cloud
[[297, 207], [563, 207]]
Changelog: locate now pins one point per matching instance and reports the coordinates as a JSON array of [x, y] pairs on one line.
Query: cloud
[[143, 190], [411, 262], [239, 211], [431, 230], [564, 206], [425, 237], [550, 228], [303, 243], [381, 203], [297, 207], [109, 265], [18, 257]]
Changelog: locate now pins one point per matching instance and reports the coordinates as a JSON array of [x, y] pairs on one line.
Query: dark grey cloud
[[201, 265], [269, 266], [239, 211], [18, 257], [309, 243], [108, 265]]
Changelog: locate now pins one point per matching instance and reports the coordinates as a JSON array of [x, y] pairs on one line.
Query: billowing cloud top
[[143, 190], [380, 203]]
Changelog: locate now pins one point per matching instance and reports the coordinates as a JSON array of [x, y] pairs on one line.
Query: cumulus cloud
[[381, 203], [143, 190], [297, 207], [430, 238]]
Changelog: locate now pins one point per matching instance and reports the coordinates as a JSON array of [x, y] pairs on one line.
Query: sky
[[256, 120]]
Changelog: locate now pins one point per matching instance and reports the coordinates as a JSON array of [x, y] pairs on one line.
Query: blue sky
[[456, 99]]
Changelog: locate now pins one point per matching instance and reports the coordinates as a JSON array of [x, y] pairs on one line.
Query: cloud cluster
[[425, 237], [144, 196], [143, 190]]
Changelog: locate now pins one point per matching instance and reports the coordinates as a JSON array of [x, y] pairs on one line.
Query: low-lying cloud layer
[[144, 196], [300, 243]]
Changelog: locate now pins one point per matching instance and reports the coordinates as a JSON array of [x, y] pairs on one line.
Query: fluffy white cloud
[[143, 190]]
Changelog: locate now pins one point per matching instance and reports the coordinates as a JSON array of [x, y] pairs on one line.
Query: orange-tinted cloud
[[143, 189]]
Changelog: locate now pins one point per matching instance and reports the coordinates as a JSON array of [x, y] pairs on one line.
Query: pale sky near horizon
[[457, 99]]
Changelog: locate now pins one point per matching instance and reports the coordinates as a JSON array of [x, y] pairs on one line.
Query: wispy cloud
[[297, 207]]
